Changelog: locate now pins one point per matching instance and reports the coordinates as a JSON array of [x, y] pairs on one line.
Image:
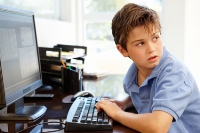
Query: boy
[[159, 85]]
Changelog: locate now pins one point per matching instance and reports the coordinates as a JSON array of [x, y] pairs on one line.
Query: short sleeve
[[172, 93]]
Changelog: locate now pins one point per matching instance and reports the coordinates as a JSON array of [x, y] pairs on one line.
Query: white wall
[[192, 37], [173, 21], [52, 32], [181, 31]]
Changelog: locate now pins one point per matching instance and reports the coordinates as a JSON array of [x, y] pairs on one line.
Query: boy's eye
[[140, 44], [155, 38]]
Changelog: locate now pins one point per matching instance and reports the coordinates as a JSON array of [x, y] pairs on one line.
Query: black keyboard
[[39, 96], [83, 116]]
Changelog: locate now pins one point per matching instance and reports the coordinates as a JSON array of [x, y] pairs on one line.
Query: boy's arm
[[124, 104], [127, 103], [155, 122]]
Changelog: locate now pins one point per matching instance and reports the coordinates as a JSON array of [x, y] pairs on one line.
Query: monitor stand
[[18, 112]]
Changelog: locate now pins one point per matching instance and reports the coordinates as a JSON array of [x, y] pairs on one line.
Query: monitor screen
[[20, 71]]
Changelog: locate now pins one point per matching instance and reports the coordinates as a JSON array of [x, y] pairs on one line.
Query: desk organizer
[[53, 71], [71, 80]]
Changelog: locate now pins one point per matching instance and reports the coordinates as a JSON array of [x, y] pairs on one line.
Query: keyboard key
[[83, 119], [89, 119], [100, 117], [75, 119], [94, 119], [105, 119]]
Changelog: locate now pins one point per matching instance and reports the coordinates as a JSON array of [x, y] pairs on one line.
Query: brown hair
[[129, 17]]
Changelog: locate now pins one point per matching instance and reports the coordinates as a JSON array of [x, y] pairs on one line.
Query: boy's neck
[[142, 75]]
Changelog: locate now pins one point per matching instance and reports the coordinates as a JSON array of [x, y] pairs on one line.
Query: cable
[[41, 124]]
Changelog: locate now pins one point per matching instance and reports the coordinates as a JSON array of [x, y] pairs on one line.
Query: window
[[42, 8], [97, 16], [95, 24]]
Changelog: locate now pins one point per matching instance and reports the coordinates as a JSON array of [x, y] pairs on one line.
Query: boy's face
[[145, 49]]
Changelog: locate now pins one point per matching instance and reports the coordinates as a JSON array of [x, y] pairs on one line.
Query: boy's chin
[[154, 65]]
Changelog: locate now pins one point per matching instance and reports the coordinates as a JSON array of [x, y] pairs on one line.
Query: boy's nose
[[150, 48]]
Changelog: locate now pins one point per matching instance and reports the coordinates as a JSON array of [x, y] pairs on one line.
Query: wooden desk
[[57, 111]]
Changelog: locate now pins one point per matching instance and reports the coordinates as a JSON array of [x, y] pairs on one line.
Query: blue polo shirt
[[171, 88]]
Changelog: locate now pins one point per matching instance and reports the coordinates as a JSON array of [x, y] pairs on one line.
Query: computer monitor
[[20, 71]]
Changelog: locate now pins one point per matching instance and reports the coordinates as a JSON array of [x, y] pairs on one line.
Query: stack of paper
[[95, 74]]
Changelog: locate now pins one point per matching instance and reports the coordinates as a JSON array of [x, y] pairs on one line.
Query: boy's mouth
[[152, 57]]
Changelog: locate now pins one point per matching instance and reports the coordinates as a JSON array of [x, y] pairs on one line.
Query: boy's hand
[[123, 104], [119, 103], [110, 108]]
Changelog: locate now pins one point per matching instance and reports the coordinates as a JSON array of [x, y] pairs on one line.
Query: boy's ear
[[122, 50]]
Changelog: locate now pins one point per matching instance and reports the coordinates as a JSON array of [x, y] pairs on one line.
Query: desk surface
[[57, 111]]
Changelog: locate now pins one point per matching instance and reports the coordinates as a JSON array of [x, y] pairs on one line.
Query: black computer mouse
[[82, 94]]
